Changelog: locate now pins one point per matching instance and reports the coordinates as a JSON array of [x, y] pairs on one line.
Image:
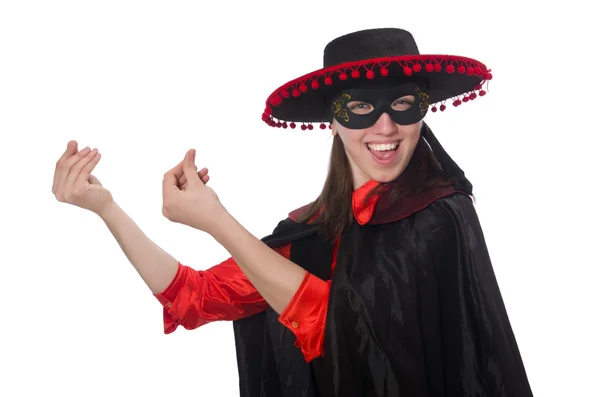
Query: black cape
[[414, 310]]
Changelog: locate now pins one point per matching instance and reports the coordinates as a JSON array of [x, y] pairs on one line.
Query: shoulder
[[298, 213], [450, 221], [288, 231], [390, 209], [452, 210], [456, 204]]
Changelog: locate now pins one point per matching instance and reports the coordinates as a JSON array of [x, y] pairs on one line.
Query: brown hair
[[333, 207]]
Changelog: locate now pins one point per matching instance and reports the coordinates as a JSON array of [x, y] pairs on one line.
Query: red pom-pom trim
[[409, 66], [277, 100]]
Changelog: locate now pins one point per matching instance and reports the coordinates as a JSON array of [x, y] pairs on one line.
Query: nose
[[385, 125]]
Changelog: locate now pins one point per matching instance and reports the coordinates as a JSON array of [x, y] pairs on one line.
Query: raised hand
[[73, 182], [187, 199]]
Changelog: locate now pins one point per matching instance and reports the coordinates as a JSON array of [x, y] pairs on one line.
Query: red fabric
[[305, 316], [363, 213], [195, 298], [223, 292]]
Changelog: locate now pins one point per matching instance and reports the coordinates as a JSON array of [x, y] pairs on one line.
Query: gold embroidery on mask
[[424, 100], [338, 108]]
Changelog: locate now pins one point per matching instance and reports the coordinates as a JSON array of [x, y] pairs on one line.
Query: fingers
[[64, 168], [87, 169], [172, 177], [92, 179], [182, 181], [70, 151], [77, 168], [203, 172], [190, 170], [204, 177], [177, 171], [169, 181]]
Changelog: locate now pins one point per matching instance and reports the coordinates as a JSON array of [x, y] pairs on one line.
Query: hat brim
[[304, 100]]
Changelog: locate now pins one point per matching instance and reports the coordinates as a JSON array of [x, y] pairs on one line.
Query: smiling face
[[379, 129]]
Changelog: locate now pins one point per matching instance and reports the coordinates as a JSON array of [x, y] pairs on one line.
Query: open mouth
[[383, 147], [383, 152]]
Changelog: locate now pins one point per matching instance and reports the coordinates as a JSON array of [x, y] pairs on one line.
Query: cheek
[[412, 136], [352, 140]]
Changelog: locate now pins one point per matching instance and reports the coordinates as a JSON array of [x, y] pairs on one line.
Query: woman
[[381, 287]]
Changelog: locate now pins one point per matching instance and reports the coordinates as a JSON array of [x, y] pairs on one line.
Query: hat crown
[[368, 44]]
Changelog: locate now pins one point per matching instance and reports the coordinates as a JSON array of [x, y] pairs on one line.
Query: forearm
[[156, 267], [276, 278]]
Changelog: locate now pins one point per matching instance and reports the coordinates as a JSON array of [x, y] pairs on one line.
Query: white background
[[144, 81]]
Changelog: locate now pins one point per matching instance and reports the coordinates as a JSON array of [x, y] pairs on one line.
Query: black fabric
[[373, 44], [414, 310], [381, 100], [448, 165], [258, 367], [369, 43]]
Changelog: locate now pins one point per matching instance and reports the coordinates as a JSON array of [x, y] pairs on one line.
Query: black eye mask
[[381, 99]]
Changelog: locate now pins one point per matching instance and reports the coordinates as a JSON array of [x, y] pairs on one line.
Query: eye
[[404, 103], [359, 107]]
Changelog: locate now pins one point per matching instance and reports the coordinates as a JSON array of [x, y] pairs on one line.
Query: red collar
[[363, 211], [389, 208]]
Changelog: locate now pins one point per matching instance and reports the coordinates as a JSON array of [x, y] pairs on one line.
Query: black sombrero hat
[[373, 56]]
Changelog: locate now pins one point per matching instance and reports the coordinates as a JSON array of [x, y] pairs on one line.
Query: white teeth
[[383, 147]]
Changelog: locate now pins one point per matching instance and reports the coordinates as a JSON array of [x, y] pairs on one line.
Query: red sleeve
[[305, 315], [197, 297]]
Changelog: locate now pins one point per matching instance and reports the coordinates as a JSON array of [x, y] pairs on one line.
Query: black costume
[[414, 310], [414, 307]]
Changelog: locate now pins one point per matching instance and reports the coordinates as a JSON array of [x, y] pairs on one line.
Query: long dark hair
[[333, 207]]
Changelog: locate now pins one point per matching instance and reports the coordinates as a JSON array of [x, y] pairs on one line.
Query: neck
[[358, 177]]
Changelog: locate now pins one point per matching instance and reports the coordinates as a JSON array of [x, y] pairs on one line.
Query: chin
[[384, 176]]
